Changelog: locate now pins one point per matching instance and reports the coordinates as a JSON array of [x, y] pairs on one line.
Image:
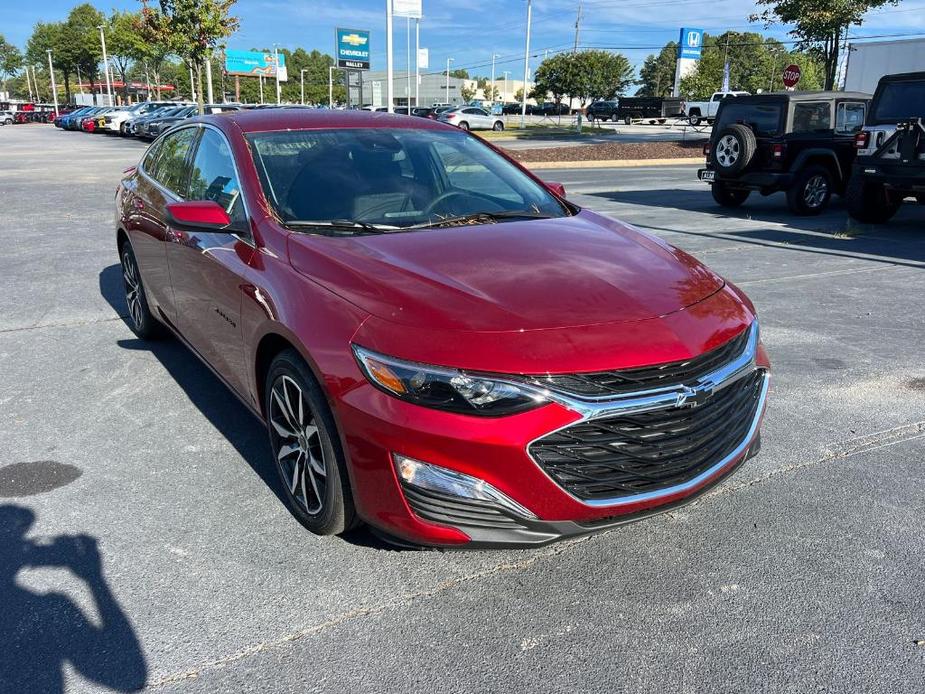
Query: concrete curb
[[610, 163]]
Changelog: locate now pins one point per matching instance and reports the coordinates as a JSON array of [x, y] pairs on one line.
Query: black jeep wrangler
[[798, 142], [891, 150]]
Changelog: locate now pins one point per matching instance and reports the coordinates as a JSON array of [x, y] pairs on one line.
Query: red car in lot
[[440, 344]]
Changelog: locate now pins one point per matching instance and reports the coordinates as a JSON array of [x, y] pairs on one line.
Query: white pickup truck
[[700, 111]]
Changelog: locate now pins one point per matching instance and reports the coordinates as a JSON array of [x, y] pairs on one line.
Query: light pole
[[302, 85], [493, 56], [260, 77], [417, 67], [106, 64], [54, 89], [390, 66], [408, 61], [448, 61], [331, 69], [506, 74], [276, 71], [209, 77], [523, 105]]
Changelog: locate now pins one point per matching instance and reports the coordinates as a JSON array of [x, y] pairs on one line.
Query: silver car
[[471, 118]]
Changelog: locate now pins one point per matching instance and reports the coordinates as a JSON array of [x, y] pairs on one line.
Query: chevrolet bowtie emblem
[[354, 39], [692, 397]]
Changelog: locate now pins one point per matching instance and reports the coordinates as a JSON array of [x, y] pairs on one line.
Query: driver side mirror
[[203, 215], [556, 188]]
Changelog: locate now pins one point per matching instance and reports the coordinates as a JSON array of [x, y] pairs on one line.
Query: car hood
[[513, 276]]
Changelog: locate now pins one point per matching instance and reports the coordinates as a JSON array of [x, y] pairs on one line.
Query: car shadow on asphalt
[[901, 242], [212, 398], [40, 631]]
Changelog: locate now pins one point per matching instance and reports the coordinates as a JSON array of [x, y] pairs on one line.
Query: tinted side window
[[213, 175], [812, 117], [171, 170]]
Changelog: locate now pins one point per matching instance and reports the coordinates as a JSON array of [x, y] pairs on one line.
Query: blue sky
[[470, 32]]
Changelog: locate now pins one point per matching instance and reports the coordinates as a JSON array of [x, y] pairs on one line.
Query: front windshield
[[393, 178]]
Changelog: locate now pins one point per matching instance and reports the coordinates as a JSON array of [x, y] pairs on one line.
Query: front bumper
[[495, 450]]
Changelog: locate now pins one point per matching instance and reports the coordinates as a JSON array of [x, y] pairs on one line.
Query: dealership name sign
[[352, 47]]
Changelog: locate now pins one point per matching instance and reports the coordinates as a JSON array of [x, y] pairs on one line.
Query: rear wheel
[[694, 119], [627, 121], [498, 126], [140, 318], [870, 203], [728, 197], [306, 447], [811, 191], [464, 126]]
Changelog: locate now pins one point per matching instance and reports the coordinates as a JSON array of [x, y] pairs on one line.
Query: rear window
[[899, 101], [764, 119]]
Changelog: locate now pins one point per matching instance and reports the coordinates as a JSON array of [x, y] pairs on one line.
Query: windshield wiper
[[489, 217], [354, 224]]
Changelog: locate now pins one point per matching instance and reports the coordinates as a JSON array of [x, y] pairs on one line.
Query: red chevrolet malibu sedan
[[440, 344]]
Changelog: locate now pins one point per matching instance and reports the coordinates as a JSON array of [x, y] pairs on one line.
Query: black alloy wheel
[[306, 447], [811, 191], [140, 318]]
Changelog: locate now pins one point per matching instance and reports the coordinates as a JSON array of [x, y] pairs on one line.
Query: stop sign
[[792, 75]]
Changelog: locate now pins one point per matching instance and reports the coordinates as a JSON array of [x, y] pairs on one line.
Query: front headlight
[[446, 389]]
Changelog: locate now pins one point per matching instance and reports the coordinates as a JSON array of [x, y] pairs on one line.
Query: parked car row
[[16, 117], [144, 120], [812, 145]]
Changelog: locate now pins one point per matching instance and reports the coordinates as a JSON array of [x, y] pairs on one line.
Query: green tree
[[149, 51], [80, 44], [460, 73], [11, 60], [656, 76], [491, 92], [519, 95], [45, 36], [755, 63], [599, 75], [467, 93], [191, 29], [122, 43], [819, 25]]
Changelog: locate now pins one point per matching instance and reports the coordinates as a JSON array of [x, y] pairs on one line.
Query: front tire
[[728, 197], [870, 203], [306, 447], [694, 120], [140, 318], [498, 126], [811, 191]]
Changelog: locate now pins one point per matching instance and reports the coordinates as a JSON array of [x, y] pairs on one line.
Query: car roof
[[903, 76], [263, 120], [804, 96]]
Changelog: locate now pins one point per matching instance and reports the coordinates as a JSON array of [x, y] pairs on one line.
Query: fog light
[[443, 481]]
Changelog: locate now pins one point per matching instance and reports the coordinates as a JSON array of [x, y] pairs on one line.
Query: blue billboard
[[254, 64], [690, 44], [352, 47]]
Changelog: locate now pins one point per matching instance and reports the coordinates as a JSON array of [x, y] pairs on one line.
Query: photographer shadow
[[40, 632]]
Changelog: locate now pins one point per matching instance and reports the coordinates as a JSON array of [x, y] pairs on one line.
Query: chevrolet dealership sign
[[352, 49]]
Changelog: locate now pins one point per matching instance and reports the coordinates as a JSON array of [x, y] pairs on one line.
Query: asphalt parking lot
[[803, 572]]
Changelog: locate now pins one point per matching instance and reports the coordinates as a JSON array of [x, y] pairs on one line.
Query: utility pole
[[29, 85], [54, 89], [302, 86], [523, 105], [331, 69], [448, 61], [577, 27], [390, 65], [106, 65], [260, 77], [192, 85], [80, 85]]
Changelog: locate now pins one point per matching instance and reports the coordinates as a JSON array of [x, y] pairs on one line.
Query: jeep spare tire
[[735, 148]]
